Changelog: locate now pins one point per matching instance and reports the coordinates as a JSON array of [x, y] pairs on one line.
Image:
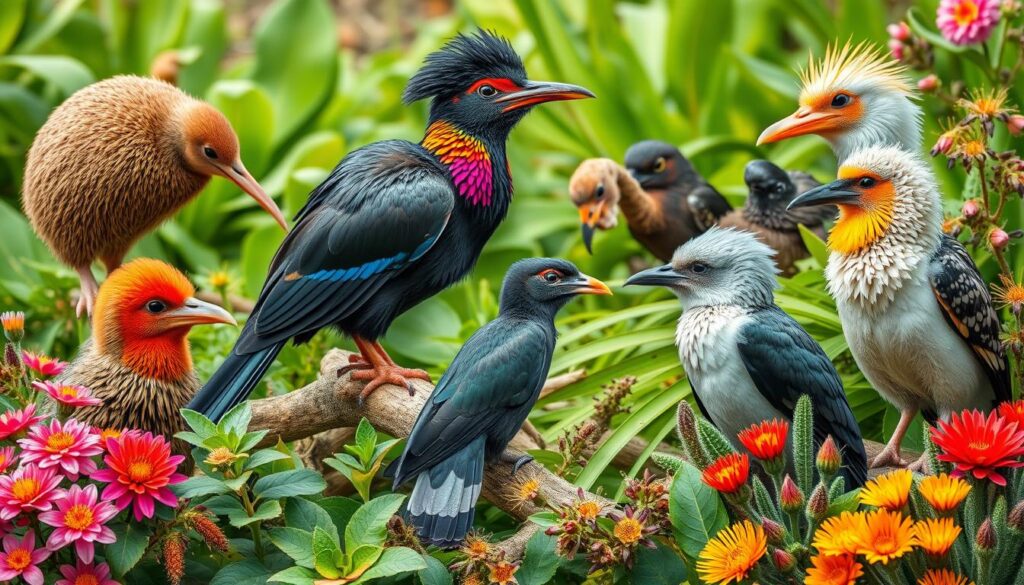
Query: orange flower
[[889, 491], [979, 445], [728, 473], [885, 536], [833, 570], [936, 536], [942, 492], [1013, 411], [503, 573], [837, 535], [732, 553], [943, 577], [765, 440]]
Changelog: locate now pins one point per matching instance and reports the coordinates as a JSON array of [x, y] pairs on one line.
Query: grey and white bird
[[916, 312], [746, 359]]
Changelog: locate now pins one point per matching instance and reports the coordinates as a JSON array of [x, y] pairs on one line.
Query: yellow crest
[[854, 63]]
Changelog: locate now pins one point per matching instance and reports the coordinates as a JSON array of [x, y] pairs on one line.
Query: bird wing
[[488, 390], [707, 206], [785, 362], [381, 209], [967, 307]]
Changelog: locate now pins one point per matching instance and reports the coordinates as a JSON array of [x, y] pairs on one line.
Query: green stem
[[257, 539]]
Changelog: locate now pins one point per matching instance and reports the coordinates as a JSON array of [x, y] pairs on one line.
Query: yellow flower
[[987, 103], [503, 573], [943, 577], [942, 492], [886, 536], [837, 535], [732, 553], [936, 536], [1010, 294], [889, 491], [833, 570], [973, 149], [476, 548], [219, 279], [588, 509], [221, 457], [628, 530], [525, 492]]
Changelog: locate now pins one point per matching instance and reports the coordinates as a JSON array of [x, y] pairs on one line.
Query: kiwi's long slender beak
[[241, 177]]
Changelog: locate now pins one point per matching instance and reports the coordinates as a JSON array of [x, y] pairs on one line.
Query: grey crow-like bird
[[747, 360]]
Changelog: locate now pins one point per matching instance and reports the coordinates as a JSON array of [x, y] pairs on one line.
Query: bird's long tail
[[442, 504], [855, 465], [233, 382]]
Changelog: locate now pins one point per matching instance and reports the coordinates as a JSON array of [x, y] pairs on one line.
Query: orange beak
[[241, 177], [801, 122], [589, 216], [592, 286], [195, 312]]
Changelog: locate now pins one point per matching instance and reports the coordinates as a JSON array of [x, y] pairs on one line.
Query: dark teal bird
[[395, 223], [483, 399]]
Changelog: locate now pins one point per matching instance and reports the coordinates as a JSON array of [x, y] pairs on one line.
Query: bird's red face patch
[[550, 275], [502, 84]]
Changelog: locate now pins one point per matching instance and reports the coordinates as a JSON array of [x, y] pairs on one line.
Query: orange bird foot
[[376, 377], [888, 457]]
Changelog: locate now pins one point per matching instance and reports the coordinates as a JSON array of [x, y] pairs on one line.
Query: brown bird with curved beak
[[138, 361], [115, 160]]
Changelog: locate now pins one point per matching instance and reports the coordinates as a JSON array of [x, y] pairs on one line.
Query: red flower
[[1013, 412], [728, 473], [978, 445], [139, 469], [765, 440]]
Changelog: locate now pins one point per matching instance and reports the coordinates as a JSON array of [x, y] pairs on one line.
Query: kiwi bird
[[747, 360], [916, 313], [663, 197], [138, 361], [770, 189], [395, 222], [483, 398], [116, 159]]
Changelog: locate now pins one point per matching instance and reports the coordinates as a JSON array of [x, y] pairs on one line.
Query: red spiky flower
[[139, 469], [765, 440], [728, 473], [979, 445]]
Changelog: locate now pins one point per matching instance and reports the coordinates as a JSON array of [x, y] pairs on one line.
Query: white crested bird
[[916, 312], [746, 359], [854, 97]]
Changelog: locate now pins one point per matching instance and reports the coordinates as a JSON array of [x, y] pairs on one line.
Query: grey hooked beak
[[661, 276], [835, 192], [588, 237], [539, 92], [195, 312]]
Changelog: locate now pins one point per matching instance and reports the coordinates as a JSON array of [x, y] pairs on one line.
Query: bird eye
[[779, 188], [487, 91], [841, 100], [866, 182], [550, 275], [209, 152], [659, 164], [699, 268], [156, 306], [599, 192]]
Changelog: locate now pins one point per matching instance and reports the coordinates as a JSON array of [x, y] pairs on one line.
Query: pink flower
[[13, 422], [896, 49], [70, 446], [86, 573], [29, 488], [42, 365], [998, 238], [1015, 124], [139, 469], [965, 22], [80, 519], [970, 208], [7, 457], [68, 394], [898, 31], [20, 558], [928, 83]]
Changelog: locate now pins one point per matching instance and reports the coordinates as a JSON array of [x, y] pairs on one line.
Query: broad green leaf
[[266, 511], [264, 456], [127, 550], [435, 572], [65, 73], [306, 515], [326, 554], [298, 482], [369, 523], [294, 576], [340, 508], [815, 245], [294, 542], [236, 421], [695, 509], [199, 485], [245, 572], [540, 561], [360, 559], [394, 561], [202, 426], [658, 566], [11, 18]]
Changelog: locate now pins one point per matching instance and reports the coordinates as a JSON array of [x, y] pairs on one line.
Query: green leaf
[[246, 572], [695, 509], [307, 515], [803, 444], [224, 504], [361, 559], [200, 485], [296, 543], [394, 561], [340, 508], [298, 482], [369, 524], [268, 510], [11, 18], [540, 561], [815, 245], [294, 576], [236, 421], [847, 502], [326, 554], [264, 456], [658, 566], [66, 74], [127, 550], [435, 573]]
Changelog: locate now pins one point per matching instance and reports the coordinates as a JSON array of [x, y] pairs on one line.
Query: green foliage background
[[708, 76]]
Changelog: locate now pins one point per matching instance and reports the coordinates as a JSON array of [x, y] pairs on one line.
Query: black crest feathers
[[462, 61]]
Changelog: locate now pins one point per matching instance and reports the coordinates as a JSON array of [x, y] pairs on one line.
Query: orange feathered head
[[143, 313]]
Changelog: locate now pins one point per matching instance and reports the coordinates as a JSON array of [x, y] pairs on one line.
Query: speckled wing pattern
[[967, 306], [466, 159]]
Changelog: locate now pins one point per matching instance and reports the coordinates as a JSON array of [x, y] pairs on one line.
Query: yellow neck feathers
[[859, 227]]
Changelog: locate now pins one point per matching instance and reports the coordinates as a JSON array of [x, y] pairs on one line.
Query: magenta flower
[[965, 22], [83, 573], [68, 394], [13, 422], [20, 558], [139, 469], [70, 446], [80, 520], [42, 365], [28, 488], [7, 457]]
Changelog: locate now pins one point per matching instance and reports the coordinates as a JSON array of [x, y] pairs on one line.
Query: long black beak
[[835, 192], [661, 276], [588, 237], [587, 285], [539, 92]]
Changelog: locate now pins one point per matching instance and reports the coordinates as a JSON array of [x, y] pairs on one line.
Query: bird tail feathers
[[233, 382], [442, 504]]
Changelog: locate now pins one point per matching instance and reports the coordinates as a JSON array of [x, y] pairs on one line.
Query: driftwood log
[[321, 416]]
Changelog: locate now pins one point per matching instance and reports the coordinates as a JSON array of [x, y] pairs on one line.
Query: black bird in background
[[483, 399], [395, 222]]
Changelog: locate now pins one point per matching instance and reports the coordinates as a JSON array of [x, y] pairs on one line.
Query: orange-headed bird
[[115, 160], [138, 361]]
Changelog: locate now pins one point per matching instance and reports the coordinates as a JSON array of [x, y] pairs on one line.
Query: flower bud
[[928, 83], [774, 531], [174, 557], [817, 506], [998, 239], [211, 533], [944, 143], [986, 538], [898, 31], [783, 561], [791, 498], [14, 325], [829, 459], [970, 208], [687, 426], [1015, 124], [1016, 518], [896, 49]]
